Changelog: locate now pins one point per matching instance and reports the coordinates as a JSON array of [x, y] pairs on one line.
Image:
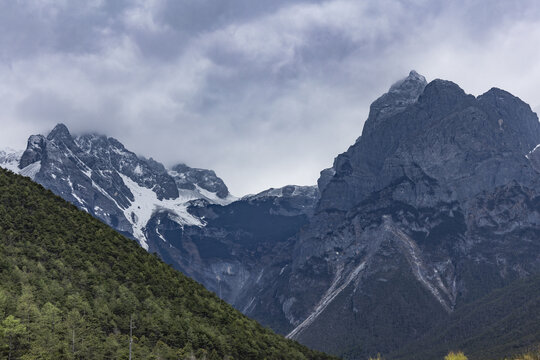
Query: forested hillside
[[69, 286]]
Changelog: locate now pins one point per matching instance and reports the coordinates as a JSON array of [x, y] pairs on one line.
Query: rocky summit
[[433, 207]]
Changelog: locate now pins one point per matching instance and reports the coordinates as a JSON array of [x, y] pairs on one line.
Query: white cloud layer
[[265, 93]]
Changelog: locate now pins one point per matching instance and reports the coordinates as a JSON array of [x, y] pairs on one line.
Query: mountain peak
[[439, 88], [188, 178], [400, 95], [413, 84], [501, 97], [60, 132]]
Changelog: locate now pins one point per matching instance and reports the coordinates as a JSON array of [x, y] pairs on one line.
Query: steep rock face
[[401, 94], [453, 137], [110, 154], [34, 151], [190, 179], [435, 205]]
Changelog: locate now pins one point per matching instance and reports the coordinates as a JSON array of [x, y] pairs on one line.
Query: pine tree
[[11, 329]]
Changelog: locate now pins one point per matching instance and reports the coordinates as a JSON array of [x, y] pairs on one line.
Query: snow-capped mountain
[[184, 214], [99, 175]]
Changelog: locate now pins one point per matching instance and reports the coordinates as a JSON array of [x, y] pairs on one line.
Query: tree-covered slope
[[69, 286]]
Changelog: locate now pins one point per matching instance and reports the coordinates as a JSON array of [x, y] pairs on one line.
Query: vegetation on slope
[[531, 355], [69, 286], [459, 355], [501, 324]]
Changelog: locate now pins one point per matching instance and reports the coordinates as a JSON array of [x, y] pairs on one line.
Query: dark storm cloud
[[264, 92]]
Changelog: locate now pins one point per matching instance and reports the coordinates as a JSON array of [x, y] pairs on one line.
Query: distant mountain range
[[434, 207]]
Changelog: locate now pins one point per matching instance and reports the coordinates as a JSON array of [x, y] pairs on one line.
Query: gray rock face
[[189, 178], [446, 135], [402, 94], [290, 199], [108, 153], [325, 178], [34, 151], [435, 205]]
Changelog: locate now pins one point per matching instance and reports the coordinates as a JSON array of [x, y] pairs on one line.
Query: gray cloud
[[264, 92]]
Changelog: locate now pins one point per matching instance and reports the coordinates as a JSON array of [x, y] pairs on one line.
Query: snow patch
[[213, 198], [200, 193], [74, 194], [146, 204], [160, 236], [138, 170], [533, 150], [88, 172]]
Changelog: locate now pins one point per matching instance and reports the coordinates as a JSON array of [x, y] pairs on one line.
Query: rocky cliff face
[[436, 204], [203, 180], [468, 144]]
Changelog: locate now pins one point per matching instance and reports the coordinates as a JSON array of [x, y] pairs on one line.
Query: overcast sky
[[266, 93]]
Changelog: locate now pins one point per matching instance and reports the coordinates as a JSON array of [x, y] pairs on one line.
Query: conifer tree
[[11, 329]]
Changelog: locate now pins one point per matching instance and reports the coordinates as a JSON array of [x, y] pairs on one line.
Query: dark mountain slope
[[69, 285], [499, 325]]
